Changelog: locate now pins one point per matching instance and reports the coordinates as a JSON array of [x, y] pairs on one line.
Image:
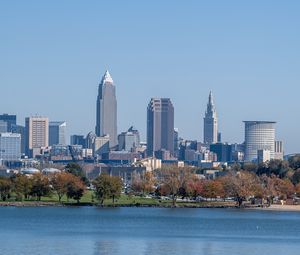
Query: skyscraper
[[36, 134], [10, 147], [210, 122], [259, 135], [10, 120], [160, 126], [57, 132], [106, 119]]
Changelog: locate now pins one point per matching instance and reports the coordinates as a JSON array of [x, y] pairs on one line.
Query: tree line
[[275, 179], [71, 183]]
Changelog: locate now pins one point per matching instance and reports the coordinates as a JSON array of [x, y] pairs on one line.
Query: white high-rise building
[[210, 122], [259, 135], [106, 119], [10, 147], [263, 156]]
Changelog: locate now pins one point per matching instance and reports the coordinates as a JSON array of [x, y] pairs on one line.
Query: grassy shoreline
[[124, 201], [161, 205]]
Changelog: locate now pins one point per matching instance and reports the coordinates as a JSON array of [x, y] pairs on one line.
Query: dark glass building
[[10, 120], [160, 126], [223, 151], [57, 133]]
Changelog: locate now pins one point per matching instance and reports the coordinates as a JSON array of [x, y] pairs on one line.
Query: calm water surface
[[132, 231]]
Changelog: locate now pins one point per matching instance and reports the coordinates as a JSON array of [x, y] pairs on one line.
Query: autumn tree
[[174, 180], [284, 188], [213, 189], [297, 189], [75, 187], [40, 186], [143, 182], [195, 187], [60, 183], [240, 185]]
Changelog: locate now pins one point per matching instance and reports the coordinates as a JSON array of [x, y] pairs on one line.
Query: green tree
[[22, 186], [296, 176], [5, 188], [294, 161], [102, 187], [116, 187], [76, 169], [107, 187]]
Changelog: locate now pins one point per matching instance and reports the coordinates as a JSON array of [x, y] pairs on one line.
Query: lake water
[[90, 230]]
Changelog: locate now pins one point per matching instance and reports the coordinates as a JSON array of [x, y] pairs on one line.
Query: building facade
[[210, 135], [129, 140], [36, 134], [78, 140], [279, 153], [106, 119], [263, 156], [101, 145], [160, 126], [9, 120], [223, 151], [259, 135], [57, 132], [10, 147]]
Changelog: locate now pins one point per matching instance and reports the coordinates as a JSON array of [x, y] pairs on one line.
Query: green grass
[[124, 200]]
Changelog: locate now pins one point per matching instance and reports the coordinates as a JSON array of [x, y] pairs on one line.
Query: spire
[[210, 98], [107, 78], [210, 110]]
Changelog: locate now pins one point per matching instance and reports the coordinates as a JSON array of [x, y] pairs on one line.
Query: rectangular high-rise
[[160, 126], [57, 132], [10, 147], [36, 134]]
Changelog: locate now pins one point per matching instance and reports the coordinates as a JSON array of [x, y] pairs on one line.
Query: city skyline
[[250, 66]]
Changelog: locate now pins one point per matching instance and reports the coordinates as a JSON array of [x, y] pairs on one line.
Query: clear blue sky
[[52, 56]]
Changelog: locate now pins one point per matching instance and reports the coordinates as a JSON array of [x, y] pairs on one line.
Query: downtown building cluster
[[46, 140]]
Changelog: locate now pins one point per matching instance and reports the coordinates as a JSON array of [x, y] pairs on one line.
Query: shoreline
[[56, 204], [282, 208]]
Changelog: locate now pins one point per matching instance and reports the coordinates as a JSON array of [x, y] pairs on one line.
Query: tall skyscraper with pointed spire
[[106, 119], [210, 122]]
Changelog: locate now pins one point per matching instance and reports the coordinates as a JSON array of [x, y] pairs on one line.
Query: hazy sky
[[52, 57]]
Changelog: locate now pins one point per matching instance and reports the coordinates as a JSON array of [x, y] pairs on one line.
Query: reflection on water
[[146, 231]]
